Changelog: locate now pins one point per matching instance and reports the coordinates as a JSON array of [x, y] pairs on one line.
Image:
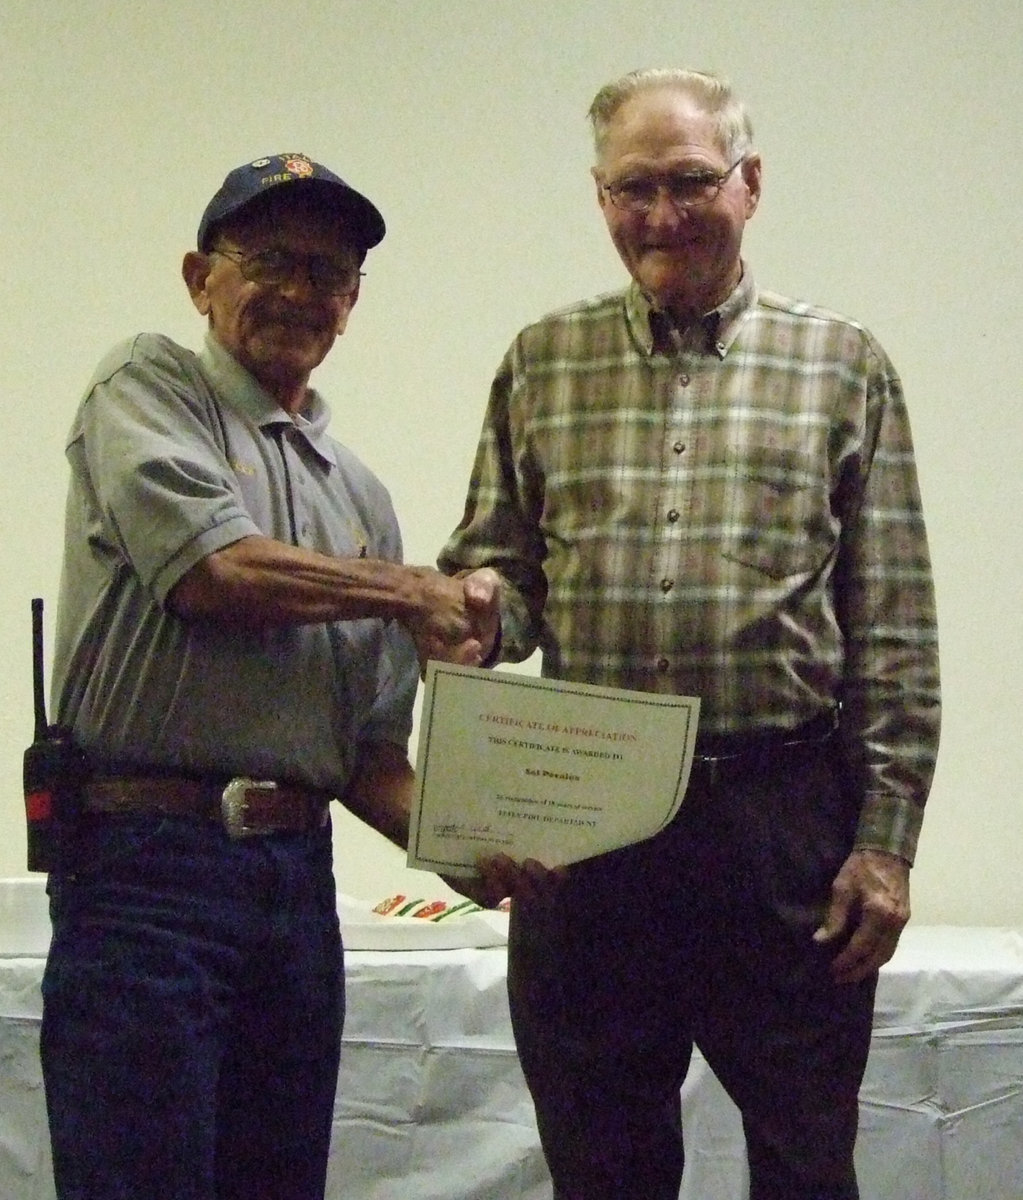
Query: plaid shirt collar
[[654, 332]]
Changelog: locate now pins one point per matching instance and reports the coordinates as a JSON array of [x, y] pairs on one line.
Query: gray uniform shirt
[[174, 455]]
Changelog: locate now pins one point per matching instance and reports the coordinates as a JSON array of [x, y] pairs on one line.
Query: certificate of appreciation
[[542, 768]]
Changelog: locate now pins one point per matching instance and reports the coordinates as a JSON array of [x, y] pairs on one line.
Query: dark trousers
[[700, 935], [193, 1001]]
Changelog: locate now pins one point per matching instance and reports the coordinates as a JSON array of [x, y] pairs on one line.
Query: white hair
[[713, 94]]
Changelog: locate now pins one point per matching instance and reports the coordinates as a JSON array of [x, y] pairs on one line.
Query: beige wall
[[890, 131]]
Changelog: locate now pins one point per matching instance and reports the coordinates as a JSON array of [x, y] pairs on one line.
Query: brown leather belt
[[245, 807]]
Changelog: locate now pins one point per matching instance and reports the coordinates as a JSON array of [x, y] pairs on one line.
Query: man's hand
[[482, 590], [440, 623], [870, 903], [500, 877], [460, 616]]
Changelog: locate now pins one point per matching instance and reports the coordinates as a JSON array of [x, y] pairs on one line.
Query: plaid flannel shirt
[[730, 513]]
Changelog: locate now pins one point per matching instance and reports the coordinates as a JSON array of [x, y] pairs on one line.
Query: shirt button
[[673, 515], [663, 664], [678, 447], [667, 585], [684, 380]]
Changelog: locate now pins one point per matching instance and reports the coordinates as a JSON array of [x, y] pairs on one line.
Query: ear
[[752, 169], [195, 269], [598, 179], [345, 310]]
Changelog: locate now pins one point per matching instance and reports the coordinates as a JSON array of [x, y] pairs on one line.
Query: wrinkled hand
[[458, 618], [499, 877], [441, 625], [870, 903], [472, 888], [482, 591]]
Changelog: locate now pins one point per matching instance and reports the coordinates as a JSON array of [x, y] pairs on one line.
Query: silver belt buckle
[[234, 805]]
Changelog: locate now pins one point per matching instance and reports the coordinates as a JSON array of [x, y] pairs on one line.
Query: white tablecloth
[[432, 1106]]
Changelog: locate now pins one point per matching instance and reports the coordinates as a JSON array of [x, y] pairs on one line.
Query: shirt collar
[[246, 395], [654, 332]]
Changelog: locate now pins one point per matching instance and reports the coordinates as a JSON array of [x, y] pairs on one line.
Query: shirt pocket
[[777, 518]]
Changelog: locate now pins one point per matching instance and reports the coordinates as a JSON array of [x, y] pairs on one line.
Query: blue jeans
[[193, 1003]]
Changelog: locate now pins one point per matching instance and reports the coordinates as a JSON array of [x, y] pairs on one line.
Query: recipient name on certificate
[[542, 768]]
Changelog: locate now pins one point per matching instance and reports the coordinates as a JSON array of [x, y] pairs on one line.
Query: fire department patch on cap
[[261, 175]]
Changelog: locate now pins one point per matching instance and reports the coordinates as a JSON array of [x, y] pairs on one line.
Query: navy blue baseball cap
[[247, 183]]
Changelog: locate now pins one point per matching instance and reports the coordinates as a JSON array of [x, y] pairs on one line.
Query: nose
[[298, 282], [664, 211]]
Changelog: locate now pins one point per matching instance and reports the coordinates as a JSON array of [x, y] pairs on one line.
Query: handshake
[[454, 618]]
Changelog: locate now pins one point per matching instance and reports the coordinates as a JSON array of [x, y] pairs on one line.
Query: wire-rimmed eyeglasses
[[684, 189], [276, 267]]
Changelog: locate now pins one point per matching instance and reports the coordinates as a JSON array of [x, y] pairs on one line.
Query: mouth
[[675, 247], [295, 322], [286, 316]]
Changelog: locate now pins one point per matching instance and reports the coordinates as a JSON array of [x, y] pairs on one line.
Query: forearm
[[891, 696], [382, 790], [258, 581], [500, 530], [890, 727], [890, 824]]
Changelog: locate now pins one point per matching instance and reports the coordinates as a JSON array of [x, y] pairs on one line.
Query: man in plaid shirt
[[700, 487]]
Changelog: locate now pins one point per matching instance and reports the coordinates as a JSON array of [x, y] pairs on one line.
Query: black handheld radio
[[53, 770]]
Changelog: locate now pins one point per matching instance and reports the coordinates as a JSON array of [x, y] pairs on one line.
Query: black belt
[[245, 807], [724, 751]]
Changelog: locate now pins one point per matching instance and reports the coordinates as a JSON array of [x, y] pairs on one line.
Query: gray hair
[[712, 94]]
